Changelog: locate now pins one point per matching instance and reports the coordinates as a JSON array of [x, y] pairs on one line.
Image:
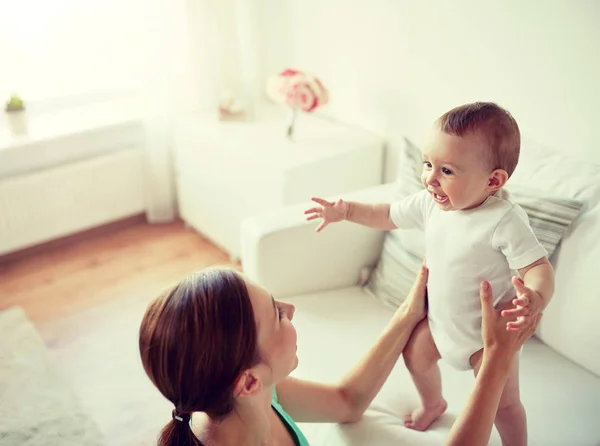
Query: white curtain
[[199, 50], [179, 79]]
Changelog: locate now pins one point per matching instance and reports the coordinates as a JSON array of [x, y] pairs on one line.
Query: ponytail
[[178, 432], [207, 312]]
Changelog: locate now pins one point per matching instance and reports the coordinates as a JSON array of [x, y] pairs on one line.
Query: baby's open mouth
[[441, 199]]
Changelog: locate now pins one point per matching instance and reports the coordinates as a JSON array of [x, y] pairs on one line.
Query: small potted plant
[[15, 111]]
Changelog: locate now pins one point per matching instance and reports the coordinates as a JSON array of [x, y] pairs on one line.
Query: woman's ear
[[497, 179], [247, 384]]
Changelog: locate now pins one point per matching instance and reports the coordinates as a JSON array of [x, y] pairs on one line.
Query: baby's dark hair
[[495, 124]]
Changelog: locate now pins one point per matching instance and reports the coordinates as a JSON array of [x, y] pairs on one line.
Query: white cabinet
[[227, 171]]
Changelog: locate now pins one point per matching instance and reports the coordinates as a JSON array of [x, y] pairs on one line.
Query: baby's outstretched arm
[[372, 215], [534, 292]]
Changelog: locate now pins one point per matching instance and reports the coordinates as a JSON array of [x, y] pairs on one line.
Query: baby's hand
[[329, 211], [528, 305]]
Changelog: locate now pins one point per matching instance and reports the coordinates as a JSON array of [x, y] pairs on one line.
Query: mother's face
[[276, 333]]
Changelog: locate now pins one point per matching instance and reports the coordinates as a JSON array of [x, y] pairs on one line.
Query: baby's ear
[[497, 179]]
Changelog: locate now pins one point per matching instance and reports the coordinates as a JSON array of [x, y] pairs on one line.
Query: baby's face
[[454, 172]]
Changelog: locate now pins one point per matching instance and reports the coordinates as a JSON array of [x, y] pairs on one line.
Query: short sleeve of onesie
[[409, 213], [515, 238]]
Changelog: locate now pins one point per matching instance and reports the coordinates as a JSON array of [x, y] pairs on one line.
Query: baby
[[473, 233]]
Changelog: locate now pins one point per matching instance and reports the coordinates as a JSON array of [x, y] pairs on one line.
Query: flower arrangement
[[298, 90]]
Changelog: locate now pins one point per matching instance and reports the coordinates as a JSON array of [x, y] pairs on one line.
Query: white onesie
[[462, 248]]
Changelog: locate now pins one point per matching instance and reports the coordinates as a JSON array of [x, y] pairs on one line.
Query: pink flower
[[297, 89]]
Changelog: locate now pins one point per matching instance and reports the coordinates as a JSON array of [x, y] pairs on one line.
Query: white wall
[[395, 65]]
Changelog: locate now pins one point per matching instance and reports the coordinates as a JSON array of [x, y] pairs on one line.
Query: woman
[[218, 346]]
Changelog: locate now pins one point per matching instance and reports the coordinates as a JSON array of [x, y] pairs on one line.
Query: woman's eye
[[446, 171]]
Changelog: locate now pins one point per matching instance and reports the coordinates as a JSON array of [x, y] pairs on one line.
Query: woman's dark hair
[[195, 340]]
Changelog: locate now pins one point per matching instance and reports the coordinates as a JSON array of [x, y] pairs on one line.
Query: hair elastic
[[181, 416]]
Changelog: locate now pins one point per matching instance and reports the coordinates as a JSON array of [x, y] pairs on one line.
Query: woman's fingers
[[415, 300], [485, 294], [494, 326], [421, 282], [509, 336]]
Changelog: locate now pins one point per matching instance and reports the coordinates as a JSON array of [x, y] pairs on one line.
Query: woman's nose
[[290, 309]]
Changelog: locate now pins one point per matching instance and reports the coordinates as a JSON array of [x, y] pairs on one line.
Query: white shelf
[[227, 171]]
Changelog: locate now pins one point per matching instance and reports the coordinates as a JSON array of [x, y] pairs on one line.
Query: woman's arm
[[346, 402], [474, 424]]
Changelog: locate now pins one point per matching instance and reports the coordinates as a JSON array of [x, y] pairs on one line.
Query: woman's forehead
[[262, 303]]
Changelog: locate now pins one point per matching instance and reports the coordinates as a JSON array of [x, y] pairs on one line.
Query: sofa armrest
[[281, 250]]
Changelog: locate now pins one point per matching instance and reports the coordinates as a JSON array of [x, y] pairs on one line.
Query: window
[[57, 53]]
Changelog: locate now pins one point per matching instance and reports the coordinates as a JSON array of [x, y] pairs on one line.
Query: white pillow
[[570, 323], [544, 169]]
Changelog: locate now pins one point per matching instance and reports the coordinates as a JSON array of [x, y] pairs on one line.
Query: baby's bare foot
[[422, 417]]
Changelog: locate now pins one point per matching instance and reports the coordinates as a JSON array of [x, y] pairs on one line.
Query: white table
[[227, 171]]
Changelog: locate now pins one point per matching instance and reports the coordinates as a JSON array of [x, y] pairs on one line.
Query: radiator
[[41, 206]]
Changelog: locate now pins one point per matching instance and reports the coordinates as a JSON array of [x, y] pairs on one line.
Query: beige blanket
[[37, 405]]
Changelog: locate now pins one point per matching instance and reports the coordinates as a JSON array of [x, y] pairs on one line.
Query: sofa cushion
[[336, 328], [404, 250], [570, 322]]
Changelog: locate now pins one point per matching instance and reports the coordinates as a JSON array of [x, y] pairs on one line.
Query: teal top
[[295, 432]]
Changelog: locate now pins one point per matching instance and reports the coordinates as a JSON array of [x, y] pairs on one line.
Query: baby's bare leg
[[511, 419], [421, 357]]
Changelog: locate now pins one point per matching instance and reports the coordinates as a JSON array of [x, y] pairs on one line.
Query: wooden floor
[[87, 298]]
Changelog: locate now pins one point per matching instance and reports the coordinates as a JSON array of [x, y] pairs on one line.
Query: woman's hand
[[474, 424], [345, 403], [495, 335], [415, 303]]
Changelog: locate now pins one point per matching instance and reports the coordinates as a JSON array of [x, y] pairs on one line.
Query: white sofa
[[337, 321]]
